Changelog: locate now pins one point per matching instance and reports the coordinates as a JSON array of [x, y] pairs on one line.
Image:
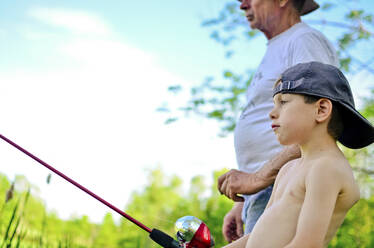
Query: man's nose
[[245, 4]]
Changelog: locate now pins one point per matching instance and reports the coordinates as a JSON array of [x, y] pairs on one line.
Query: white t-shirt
[[255, 142]]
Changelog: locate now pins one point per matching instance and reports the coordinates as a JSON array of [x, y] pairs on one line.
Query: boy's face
[[292, 119]]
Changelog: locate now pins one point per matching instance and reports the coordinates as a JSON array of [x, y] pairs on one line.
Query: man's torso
[[255, 142]]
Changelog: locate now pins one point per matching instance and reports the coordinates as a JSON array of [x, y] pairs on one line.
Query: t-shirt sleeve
[[309, 47]]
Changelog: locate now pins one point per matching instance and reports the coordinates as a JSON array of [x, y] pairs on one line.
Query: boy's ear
[[323, 109]]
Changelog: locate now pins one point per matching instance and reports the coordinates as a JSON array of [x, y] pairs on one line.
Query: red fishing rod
[[156, 235]]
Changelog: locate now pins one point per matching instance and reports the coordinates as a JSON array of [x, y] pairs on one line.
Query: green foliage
[[221, 102], [368, 110], [358, 227], [158, 205], [105, 237]]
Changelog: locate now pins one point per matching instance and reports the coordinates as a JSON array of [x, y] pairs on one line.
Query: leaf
[[227, 74], [170, 120], [217, 114], [346, 40], [252, 33], [344, 63], [368, 18], [355, 14], [49, 178], [327, 6], [175, 88], [197, 102]]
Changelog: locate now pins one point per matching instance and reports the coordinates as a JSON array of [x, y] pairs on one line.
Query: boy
[[313, 107]]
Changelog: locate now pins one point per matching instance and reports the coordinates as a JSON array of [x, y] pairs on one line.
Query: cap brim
[[309, 6], [358, 132]]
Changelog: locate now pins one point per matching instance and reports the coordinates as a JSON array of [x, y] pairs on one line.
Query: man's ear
[[323, 109], [283, 3]]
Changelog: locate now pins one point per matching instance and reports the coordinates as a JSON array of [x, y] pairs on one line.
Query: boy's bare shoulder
[[334, 165], [336, 169]]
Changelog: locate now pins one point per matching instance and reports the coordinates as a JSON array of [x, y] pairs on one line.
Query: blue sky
[[80, 82], [170, 31]]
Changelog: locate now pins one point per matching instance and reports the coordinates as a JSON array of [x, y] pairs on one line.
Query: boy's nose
[[272, 114], [245, 5]]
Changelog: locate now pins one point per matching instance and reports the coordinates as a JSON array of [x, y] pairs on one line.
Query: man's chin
[[252, 25]]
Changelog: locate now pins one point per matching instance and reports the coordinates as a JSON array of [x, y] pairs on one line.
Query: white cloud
[[78, 22], [108, 54], [102, 131], [94, 119]]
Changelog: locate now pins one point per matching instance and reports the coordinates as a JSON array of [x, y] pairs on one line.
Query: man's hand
[[232, 228], [237, 182]]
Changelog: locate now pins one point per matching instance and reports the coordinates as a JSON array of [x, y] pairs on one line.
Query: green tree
[[216, 208], [358, 227], [107, 235], [162, 202], [159, 205], [155, 206]]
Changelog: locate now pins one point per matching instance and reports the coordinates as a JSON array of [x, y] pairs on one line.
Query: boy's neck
[[317, 145]]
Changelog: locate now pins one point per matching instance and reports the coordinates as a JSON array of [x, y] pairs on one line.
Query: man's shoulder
[[303, 30], [306, 35], [306, 44]]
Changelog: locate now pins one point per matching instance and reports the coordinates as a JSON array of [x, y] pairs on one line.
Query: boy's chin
[[285, 142]]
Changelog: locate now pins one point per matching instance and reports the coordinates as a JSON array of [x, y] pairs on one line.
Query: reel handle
[[163, 239]]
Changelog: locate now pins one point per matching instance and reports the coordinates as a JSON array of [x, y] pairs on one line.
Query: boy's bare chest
[[291, 187]]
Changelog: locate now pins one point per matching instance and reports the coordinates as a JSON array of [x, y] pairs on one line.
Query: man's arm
[[322, 187], [237, 182]]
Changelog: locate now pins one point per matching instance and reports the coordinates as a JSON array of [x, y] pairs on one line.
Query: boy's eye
[[282, 102]]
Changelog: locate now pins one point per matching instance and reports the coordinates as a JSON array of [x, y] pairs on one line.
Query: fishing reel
[[193, 233]]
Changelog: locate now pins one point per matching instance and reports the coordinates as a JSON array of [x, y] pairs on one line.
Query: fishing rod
[[191, 232]]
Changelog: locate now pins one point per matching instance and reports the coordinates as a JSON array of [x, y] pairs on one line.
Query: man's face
[[260, 13], [292, 118]]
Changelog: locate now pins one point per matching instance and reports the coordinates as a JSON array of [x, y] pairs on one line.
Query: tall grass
[[16, 232], [12, 230], [7, 241]]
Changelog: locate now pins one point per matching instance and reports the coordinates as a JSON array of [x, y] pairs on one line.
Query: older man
[[259, 155]]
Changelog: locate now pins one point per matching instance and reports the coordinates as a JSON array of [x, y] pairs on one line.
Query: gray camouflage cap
[[327, 81]]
